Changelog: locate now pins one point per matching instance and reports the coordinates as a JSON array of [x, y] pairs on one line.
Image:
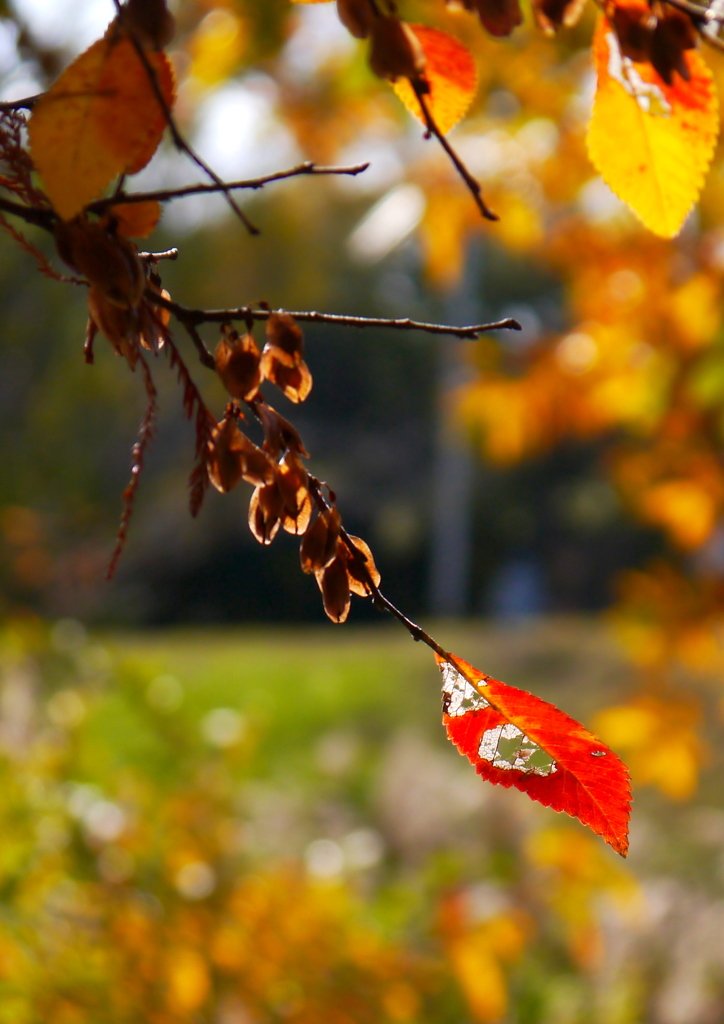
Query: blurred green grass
[[164, 773]]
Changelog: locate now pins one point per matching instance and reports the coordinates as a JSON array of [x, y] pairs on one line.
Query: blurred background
[[219, 807]]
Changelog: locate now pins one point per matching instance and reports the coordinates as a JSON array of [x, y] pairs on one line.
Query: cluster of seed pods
[[285, 495]]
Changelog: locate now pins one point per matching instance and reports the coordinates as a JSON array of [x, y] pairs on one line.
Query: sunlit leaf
[[652, 142], [451, 74], [135, 220], [516, 739], [100, 119]]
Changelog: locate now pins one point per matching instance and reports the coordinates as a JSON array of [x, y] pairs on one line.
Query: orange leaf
[[101, 118], [516, 739], [652, 142], [451, 74], [135, 220]]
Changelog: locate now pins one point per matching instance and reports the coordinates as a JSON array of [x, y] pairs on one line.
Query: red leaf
[[516, 739]]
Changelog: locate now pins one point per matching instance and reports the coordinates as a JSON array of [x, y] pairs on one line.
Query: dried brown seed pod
[[319, 544], [117, 323], [361, 567], [225, 458], [256, 466], [293, 483], [282, 331], [395, 50], [334, 584], [673, 34], [291, 375], [110, 263], [279, 434], [265, 513], [499, 17], [356, 16], [634, 28], [237, 362]]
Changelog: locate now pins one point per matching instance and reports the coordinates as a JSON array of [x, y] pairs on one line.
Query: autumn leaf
[[516, 739], [101, 118], [451, 75], [652, 142], [135, 220]]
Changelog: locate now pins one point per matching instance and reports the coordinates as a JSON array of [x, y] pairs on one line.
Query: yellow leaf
[[451, 74], [218, 46], [101, 118], [652, 142], [187, 979]]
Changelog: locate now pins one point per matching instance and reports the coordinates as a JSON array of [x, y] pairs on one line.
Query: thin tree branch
[[45, 219], [472, 183], [178, 140], [245, 313], [383, 603], [7, 106], [701, 13], [154, 257], [164, 195]]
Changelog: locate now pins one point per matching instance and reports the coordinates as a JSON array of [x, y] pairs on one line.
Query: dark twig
[[178, 140], [154, 257], [383, 603], [246, 313], [164, 195], [28, 103], [472, 183], [698, 11], [30, 214]]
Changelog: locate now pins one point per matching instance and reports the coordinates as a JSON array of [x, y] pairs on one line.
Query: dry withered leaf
[[319, 544], [334, 584], [362, 568], [265, 512], [395, 51], [225, 460], [237, 364], [356, 16]]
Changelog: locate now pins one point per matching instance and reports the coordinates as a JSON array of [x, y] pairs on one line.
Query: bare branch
[[45, 219], [28, 103], [178, 140], [383, 603], [246, 313], [164, 195], [154, 257], [472, 183]]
